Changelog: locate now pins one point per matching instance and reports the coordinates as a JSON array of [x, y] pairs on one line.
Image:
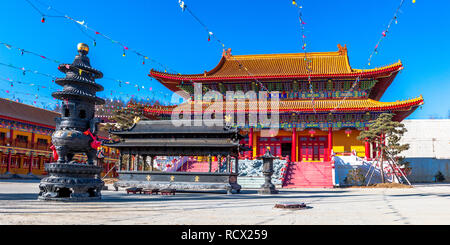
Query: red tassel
[[55, 154], [43, 20]]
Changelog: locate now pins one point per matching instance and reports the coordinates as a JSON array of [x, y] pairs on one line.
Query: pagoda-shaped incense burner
[[75, 133]]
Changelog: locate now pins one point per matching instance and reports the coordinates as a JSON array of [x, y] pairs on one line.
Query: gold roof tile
[[278, 65], [305, 105]]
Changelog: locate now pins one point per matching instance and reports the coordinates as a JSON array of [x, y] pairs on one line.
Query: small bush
[[439, 177], [355, 177]]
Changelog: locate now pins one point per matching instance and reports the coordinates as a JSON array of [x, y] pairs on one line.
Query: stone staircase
[[309, 175], [194, 166]]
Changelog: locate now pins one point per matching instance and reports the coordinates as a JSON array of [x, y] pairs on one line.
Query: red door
[[312, 148]]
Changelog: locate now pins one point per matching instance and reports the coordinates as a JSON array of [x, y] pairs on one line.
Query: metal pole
[[400, 170], [394, 175], [151, 162], [136, 162], [129, 161], [209, 159], [120, 161], [236, 165], [374, 168], [109, 171]]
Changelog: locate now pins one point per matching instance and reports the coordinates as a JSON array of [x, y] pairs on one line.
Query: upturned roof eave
[[161, 76], [382, 106]]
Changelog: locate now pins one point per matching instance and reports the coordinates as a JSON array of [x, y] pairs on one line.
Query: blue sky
[[160, 30]]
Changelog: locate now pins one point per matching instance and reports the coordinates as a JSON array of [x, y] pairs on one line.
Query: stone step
[[305, 175]]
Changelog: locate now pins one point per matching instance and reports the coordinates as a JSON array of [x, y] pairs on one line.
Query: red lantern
[[348, 132], [312, 132]]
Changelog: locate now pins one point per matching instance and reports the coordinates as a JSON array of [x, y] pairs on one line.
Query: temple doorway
[[312, 149], [286, 149]]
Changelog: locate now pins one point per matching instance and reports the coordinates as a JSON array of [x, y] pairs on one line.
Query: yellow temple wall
[[4, 130], [343, 143], [28, 134], [255, 137], [40, 136], [21, 167], [17, 132]]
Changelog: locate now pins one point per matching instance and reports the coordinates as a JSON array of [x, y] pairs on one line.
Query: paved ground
[[424, 204]]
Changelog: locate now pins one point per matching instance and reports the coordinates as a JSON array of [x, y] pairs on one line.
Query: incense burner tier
[[75, 133]]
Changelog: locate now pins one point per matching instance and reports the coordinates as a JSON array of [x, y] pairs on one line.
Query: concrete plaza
[[423, 204]]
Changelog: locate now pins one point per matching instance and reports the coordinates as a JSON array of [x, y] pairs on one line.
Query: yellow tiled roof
[[304, 105], [293, 64]]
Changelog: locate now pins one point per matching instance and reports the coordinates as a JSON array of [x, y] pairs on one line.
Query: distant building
[[25, 140], [429, 148]]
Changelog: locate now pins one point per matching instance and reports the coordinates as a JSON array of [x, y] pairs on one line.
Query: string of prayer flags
[[86, 27], [182, 5], [375, 50], [22, 51]]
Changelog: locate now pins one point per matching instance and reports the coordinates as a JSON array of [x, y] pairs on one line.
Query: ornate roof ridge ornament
[[227, 53], [342, 50]]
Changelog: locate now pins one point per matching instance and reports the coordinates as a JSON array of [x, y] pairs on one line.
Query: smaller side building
[[429, 148], [25, 140]]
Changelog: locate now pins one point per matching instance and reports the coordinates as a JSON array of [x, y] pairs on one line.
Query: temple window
[[321, 86], [330, 85], [22, 138], [339, 85], [66, 112], [304, 86], [42, 142], [287, 86], [347, 85]]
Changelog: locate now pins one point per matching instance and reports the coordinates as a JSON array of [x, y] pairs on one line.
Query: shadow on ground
[[18, 196]]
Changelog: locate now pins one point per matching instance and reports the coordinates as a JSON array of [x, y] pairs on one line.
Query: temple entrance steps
[[194, 166], [309, 175]]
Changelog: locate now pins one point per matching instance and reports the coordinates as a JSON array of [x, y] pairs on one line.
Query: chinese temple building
[[320, 112], [25, 140]]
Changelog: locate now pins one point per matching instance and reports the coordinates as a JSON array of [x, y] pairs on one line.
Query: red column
[[250, 143], [330, 142], [256, 145], [8, 165], [30, 168], [294, 145], [32, 140], [40, 162], [374, 151], [11, 136], [367, 148]]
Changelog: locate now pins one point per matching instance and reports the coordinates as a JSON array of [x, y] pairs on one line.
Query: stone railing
[[253, 168]]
